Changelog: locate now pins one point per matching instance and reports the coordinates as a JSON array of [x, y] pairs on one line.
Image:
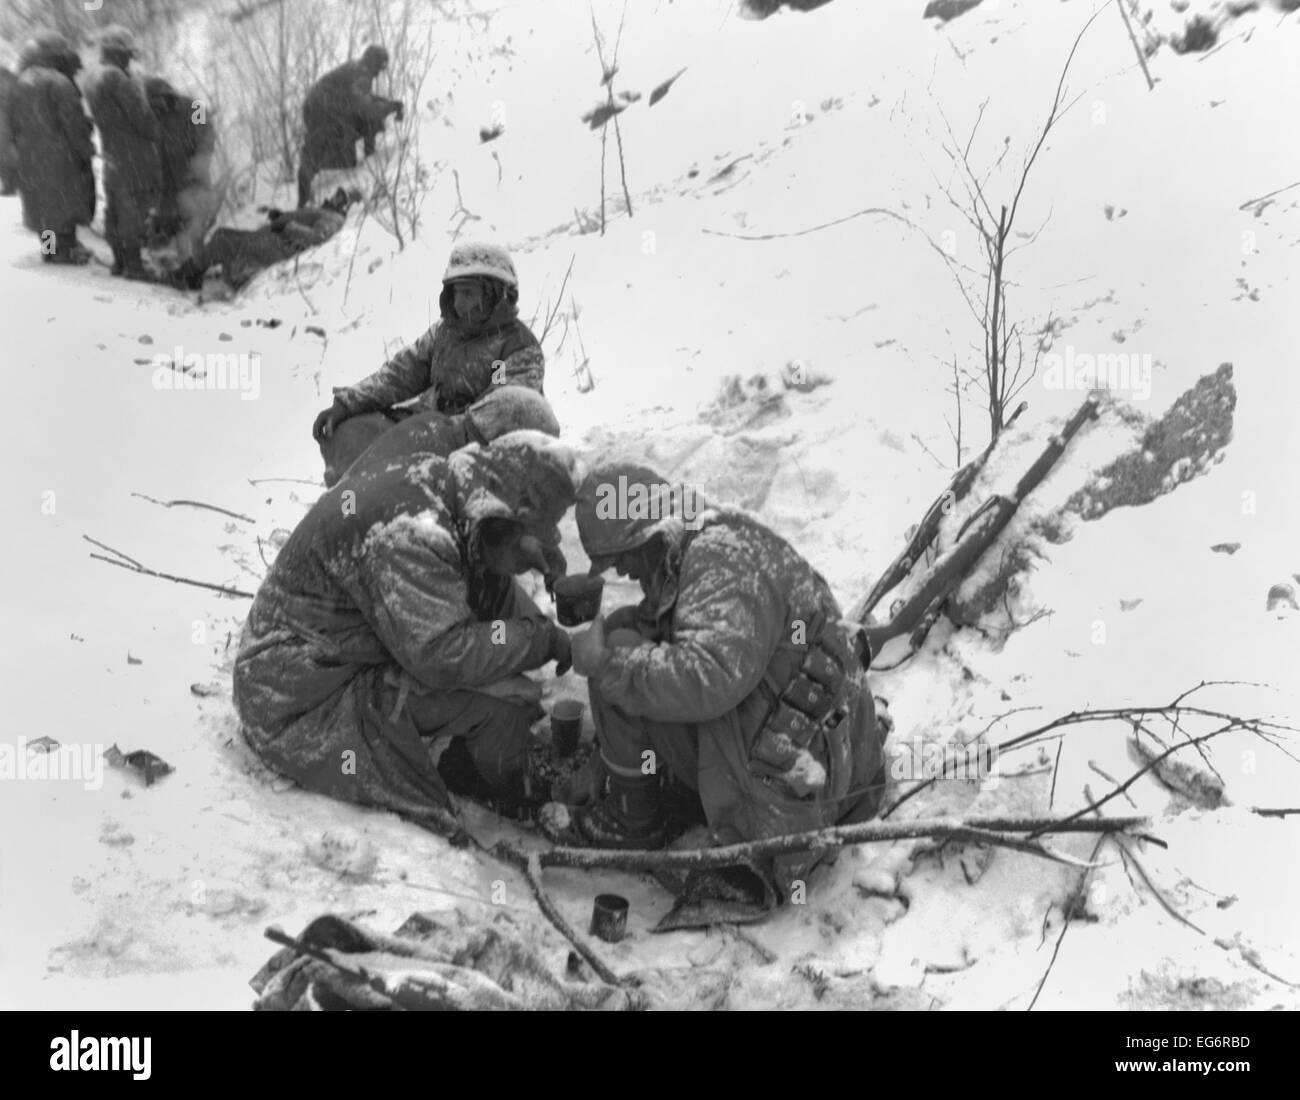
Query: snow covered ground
[[115, 895]]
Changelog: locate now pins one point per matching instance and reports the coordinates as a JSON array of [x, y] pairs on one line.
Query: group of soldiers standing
[[157, 145]]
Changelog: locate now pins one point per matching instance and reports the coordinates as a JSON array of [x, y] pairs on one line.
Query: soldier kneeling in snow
[[732, 688], [391, 621]]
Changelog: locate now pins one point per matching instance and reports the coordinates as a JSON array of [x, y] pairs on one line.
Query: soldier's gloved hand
[[556, 567], [328, 420], [561, 650], [589, 650]]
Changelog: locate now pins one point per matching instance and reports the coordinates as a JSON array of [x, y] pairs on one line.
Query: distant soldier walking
[[339, 111], [128, 134]]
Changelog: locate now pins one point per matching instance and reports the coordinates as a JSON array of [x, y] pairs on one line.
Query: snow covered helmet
[[117, 39], [622, 506], [512, 408], [480, 258], [526, 476]]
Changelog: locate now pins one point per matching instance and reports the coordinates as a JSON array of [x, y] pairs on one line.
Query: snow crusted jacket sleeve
[[728, 622], [449, 372], [417, 602], [404, 376]]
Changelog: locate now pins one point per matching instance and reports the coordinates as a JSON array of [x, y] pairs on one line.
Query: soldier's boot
[[189, 276], [67, 250], [630, 815], [118, 263], [133, 266]]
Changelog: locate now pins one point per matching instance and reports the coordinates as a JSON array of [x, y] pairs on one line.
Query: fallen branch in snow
[[811, 228], [195, 504], [976, 830], [122, 561], [1151, 84], [533, 870], [1255, 202]]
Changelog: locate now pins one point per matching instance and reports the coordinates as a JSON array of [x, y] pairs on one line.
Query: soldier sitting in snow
[[390, 621], [732, 688], [479, 342]]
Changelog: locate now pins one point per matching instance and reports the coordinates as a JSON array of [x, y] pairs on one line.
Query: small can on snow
[[609, 917]]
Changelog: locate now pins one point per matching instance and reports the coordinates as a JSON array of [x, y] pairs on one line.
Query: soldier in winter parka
[[733, 686], [51, 152], [478, 343], [187, 139], [128, 137], [339, 111], [390, 623]]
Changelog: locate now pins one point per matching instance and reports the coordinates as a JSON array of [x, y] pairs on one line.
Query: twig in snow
[[461, 209], [1236, 723], [1065, 925], [533, 871], [810, 229], [194, 504], [1158, 895], [1109, 779], [975, 830], [1151, 84], [104, 546], [122, 561], [294, 480], [1056, 764], [559, 298], [1254, 202]]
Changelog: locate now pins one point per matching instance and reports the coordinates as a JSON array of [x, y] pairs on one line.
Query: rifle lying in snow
[[977, 534]]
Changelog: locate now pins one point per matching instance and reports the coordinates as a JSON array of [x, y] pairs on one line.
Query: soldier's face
[[468, 301], [639, 564]]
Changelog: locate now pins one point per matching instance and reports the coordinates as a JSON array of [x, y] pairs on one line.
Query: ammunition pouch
[[812, 702]]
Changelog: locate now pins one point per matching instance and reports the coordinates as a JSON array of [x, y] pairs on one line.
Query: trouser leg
[[349, 441], [495, 732]]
